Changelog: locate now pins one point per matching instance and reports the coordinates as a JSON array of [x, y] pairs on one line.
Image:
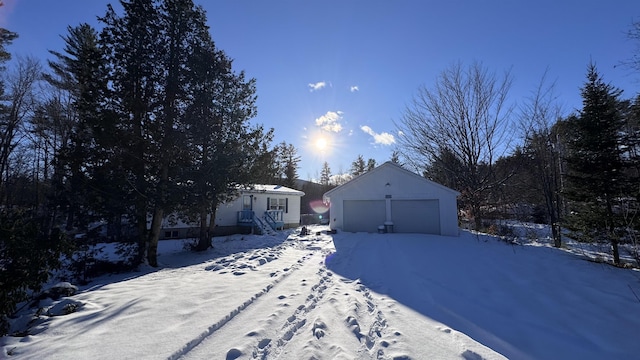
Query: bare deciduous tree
[[18, 105], [539, 114], [634, 35], [464, 114]]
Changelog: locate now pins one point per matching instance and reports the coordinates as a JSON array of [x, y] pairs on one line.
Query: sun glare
[[321, 144]]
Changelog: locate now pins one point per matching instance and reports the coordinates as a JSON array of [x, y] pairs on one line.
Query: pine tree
[[358, 167], [181, 24], [223, 150], [395, 157], [595, 176], [6, 38], [131, 45], [291, 161], [325, 175], [371, 164], [79, 72]]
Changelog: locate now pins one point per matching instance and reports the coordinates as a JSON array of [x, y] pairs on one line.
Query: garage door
[[363, 215], [416, 216]]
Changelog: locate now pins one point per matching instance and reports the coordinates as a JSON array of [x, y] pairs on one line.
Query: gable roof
[[392, 166]]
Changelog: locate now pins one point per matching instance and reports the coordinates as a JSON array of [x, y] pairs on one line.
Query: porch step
[[263, 226]]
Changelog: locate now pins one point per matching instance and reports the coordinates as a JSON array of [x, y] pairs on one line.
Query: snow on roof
[[273, 189]]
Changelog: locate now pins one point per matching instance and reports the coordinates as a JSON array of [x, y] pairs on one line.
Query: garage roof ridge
[[385, 165]]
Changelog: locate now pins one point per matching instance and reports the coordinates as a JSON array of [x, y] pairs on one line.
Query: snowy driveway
[[350, 296], [256, 297]]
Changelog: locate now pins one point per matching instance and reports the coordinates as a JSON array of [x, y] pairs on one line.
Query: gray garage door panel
[[363, 215], [416, 216]]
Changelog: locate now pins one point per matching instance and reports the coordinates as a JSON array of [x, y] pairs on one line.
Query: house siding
[[226, 217]]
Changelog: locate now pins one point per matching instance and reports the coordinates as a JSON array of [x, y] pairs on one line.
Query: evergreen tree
[[291, 160], [325, 174], [28, 254], [265, 167], [6, 38], [79, 73], [371, 164], [181, 24], [595, 176], [446, 169], [358, 167], [395, 157], [132, 49], [225, 153]]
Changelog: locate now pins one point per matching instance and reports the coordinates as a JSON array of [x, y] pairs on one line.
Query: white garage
[[395, 199]]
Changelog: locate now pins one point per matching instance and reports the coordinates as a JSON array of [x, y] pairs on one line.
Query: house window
[[171, 234], [278, 204]]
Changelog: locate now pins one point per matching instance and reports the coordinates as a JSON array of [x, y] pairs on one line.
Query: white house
[[392, 198], [261, 207], [279, 202]]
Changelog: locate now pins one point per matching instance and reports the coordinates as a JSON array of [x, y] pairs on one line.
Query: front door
[[247, 202]]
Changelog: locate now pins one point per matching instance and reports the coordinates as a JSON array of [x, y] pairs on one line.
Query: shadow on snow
[[521, 301]]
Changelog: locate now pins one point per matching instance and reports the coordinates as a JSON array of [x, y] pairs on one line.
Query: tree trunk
[[141, 224], [154, 235], [477, 216], [555, 232], [212, 221], [612, 228], [204, 241], [614, 249]]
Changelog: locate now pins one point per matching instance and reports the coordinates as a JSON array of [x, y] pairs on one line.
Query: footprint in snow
[[470, 355], [233, 354], [319, 329], [263, 343]]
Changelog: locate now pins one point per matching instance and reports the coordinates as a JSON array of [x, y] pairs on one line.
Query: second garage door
[[416, 216]]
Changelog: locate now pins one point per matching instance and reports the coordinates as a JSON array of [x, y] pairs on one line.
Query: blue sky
[[344, 70]]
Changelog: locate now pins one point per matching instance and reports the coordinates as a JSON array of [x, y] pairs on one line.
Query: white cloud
[[330, 121], [354, 88], [317, 86], [382, 138]]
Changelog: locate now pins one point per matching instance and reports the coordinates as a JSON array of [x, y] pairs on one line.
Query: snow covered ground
[[349, 296]]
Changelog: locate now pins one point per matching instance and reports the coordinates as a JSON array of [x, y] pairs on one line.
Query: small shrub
[[28, 254], [502, 231], [190, 244]]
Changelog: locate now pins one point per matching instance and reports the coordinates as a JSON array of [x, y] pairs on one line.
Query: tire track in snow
[[267, 346], [215, 327]]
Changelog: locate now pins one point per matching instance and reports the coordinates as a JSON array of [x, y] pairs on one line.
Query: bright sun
[[321, 144]]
